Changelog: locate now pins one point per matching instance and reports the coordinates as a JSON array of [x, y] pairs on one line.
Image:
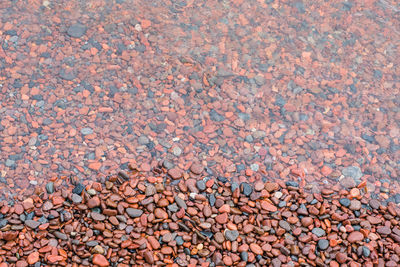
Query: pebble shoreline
[[166, 219]]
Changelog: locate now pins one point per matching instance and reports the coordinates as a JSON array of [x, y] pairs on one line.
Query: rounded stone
[[323, 244]]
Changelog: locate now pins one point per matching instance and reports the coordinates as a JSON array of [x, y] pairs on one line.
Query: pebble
[[355, 205], [76, 30], [318, 231], [246, 189], [323, 244], [384, 230], [78, 189], [86, 131], [50, 187], [32, 224], [134, 213], [374, 203], [345, 202], [201, 185], [76, 198], [353, 172], [231, 235], [355, 236], [97, 216], [100, 260]]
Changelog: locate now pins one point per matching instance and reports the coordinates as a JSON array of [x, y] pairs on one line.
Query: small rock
[[256, 249], [150, 190], [355, 237], [100, 260], [384, 230], [50, 188], [353, 172], [344, 202], [355, 205], [148, 257], [318, 232], [86, 131], [246, 189], [32, 224], [201, 185], [76, 198], [348, 182], [76, 30], [323, 244], [97, 216], [98, 250], [78, 189], [134, 213], [231, 235], [375, 204]]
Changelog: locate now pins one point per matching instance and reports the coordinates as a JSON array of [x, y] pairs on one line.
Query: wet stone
[[285, 225], [150, 190], [86, 131], [76, 30], [97, 216], [353, 172], [348, 182]]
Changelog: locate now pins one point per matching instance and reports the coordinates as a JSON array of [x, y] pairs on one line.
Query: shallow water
[[251, 89]]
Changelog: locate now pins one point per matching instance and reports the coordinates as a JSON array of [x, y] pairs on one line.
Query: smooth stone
[[231, 235], [78, 189], [76, 30], [76, 198], [32, 224], [318, 232], [134, 213], [323, 244], [344, 202], [181, 203], [201, 185], [50, 188]]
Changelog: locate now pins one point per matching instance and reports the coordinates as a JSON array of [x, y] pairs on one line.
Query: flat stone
[[375, 204], [384, 230], [180, 202], [60, 235], [134, 213], [355, 205], [78, 189], [353, 172], [285, 225], [76, 30], [150, 190], [32, 224], [355, 237], [97, 216], [344, 202], [86, 131], [76, 198], [318, 232]]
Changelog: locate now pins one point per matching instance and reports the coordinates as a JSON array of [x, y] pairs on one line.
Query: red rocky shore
[[171, 219]]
